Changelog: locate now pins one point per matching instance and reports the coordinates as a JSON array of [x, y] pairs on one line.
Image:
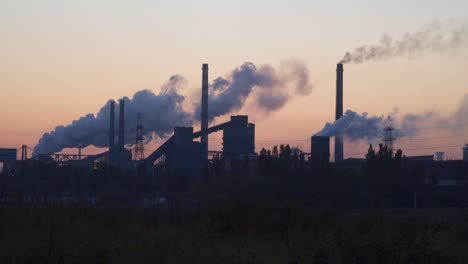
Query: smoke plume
[[355, 126], [456, 122], [161, 113], [219, 84], [271, 88], [448, 38]]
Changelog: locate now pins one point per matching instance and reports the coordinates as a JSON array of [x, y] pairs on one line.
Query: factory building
[[183, 156], [186, 157], [238, 137], [7, 161], [320, 150], [118, 155], [182, 159]]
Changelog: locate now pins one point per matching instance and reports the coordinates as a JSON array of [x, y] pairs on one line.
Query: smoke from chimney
[[270, 88], [165, 110], [355, 126], [219, 84], [165, 107], [448, 38]]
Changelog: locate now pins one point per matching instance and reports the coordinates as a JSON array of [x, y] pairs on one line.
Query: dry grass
[[230, 232]]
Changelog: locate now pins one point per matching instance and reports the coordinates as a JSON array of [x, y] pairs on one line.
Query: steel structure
[[233, 124], [139, 140], [388, 135], [64, 158]]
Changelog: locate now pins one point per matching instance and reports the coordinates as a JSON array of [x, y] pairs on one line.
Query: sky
[[60, 60]]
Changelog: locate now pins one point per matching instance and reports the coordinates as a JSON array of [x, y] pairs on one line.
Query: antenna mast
[[139, 139], [388, 134]]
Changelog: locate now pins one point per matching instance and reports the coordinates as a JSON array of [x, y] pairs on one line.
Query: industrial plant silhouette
[[186, 203], [124, 174], [265, 161]]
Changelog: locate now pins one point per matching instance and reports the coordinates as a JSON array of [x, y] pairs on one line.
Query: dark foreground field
[[230, 232]]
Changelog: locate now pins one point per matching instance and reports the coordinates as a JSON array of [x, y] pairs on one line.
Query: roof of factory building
[[421, 158]]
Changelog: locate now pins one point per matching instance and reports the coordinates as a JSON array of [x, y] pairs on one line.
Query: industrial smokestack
[[262, 87], [121, 140], [204, 110], [112, 126], [339, 111]]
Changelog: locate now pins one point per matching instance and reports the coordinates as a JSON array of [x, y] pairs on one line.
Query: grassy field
[[230, 232]]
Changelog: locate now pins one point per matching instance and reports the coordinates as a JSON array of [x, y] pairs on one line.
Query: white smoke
[[355, 126], [447, 38], [160, 114], [270, 87]]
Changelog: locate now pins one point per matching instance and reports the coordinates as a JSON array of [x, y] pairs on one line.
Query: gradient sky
[[60, 60]]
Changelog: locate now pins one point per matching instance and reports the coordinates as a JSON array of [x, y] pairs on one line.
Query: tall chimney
[[112, 126], [339, 111], [204, 109], [24, 152], [121, 140]]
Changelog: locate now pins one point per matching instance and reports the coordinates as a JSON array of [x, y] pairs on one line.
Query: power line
[[439, 147], [269, 140], [429, 138], [429, 128]]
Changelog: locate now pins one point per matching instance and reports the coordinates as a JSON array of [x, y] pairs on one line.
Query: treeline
[[385, 179], [280, 160]]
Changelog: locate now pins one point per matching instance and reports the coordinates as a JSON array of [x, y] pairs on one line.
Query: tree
[[274, 152], [285, 152], [263, 153], [384, 154], [388, 183]]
